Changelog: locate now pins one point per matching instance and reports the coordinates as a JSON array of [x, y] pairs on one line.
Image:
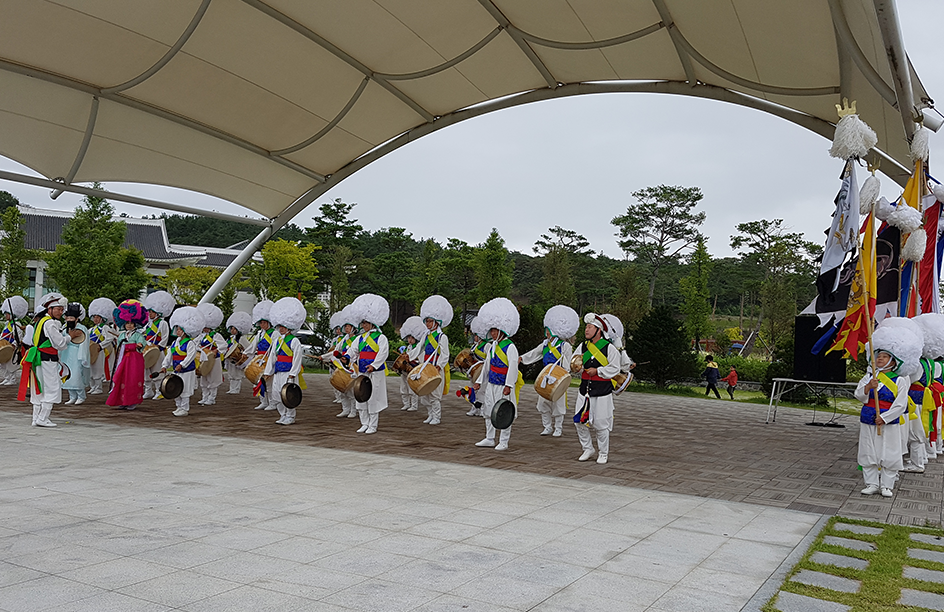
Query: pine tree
[[13, 254], [492, 268], [661, 347], [696, 306]]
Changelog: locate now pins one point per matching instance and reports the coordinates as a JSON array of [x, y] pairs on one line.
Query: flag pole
[[869, 324]]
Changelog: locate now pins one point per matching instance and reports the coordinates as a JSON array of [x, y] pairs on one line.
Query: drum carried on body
[[77, 336], [576, 363], [424, 379], [7, 351], [464, 360], [255, 369], [234, 353], [552, 382], [207, 362], [341, 380], [402, 364], [94, 349], [621, 381], [474, 371], [152, 355]]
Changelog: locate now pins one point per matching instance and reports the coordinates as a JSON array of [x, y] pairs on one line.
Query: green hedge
[[753, 370]]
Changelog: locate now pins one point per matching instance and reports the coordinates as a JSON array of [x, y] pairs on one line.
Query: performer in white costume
[[412, 332], [437, 313], [368, 355], [560, 324], [914, 441], [349, 329], [880, 439], [76, 356], [499, 377], [41, 367], [261, 342], [188, 323], [160, 305], [334, 322], [284, 362], [238, 325], [932, 360], [104, 334], [211, 343], [594, 406], [14, 309]]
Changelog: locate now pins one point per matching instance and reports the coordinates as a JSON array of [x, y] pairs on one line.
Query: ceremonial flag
[[853, 334], [930, 269], [908, 300], [843, 232]]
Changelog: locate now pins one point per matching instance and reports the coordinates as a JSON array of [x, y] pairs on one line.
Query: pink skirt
[[128, 385]]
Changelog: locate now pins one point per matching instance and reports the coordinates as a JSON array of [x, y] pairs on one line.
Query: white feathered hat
[[562, 321], [932, 324], [242, 321], [260, 312], [477, 328], [346, 316], [288, 312], [438, 308], [160, 302], [189, 319], [103, 307], [212, 313], [17, 306], [51, 300], [371, 308], [615, 334], [413, 326], [501, 314], [334, 321], [902, 338]]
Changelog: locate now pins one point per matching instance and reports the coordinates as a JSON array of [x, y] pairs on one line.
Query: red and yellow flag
[[854, 334]]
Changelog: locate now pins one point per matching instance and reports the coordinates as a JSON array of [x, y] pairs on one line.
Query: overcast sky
[[574, 162]]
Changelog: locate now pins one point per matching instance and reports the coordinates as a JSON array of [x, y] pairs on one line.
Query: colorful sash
[[153, 331], [178, 353], [498, 368], [552, 353], [31, 376], [366, 356], [886, 397]]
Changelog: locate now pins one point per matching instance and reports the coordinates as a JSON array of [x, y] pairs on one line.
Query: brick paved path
[[711, 448]]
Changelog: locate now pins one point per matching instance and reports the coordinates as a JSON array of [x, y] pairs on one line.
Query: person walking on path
[[711, 375], [732, 380]]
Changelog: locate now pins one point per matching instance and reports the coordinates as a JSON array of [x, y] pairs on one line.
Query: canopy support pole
[[130, 199], [234, 266], [888, 23]]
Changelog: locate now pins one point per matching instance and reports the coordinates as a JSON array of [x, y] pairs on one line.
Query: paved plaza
[[700, 507]]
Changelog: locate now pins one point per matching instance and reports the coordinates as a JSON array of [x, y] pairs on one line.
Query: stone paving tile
[[791, 602], [919, 573], [926, 555], [850, 544], [827, 581], [928, 539], [766, 464], [838, 560], [860, 529], [922, 599]]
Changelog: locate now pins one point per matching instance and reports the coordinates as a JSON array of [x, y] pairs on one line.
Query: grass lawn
[[882, 580]]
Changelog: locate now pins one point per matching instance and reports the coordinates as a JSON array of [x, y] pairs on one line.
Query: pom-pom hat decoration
[[334, 321], [477, 327], [413, 326], [594, 319], [242, 321], [438, 308], [288, 312], [260, 312], [16, 305], [103, 307], [189, 319], [903, 338], [932, 324], [212, 313], [853, 138], [130, 311], [160, 302], [615, 334], [562, 321], [347, 317], [501, 314], [371, 308]]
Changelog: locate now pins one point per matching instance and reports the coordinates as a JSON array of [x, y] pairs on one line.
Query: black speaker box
[[806, 365]]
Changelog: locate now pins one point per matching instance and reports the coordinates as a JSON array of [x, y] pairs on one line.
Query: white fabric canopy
[[268, 103]]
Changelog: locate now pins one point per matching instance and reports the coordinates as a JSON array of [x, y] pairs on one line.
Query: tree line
[[666, 264]]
